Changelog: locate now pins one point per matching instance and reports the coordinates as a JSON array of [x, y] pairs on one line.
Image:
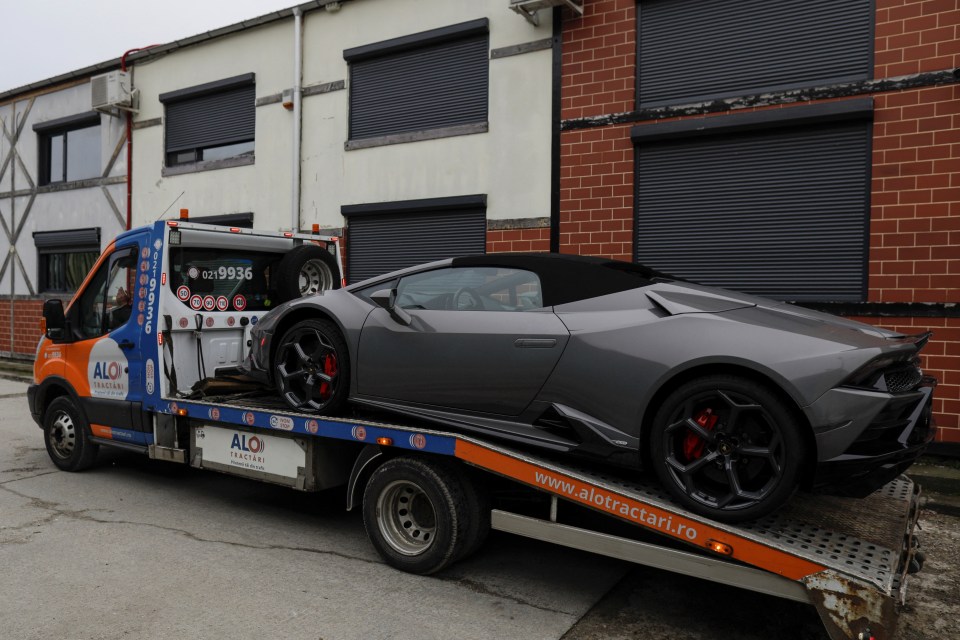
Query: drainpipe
[[297, 119], [123, 67]]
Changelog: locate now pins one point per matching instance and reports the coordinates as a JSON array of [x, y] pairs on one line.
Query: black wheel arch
[[52, 388]]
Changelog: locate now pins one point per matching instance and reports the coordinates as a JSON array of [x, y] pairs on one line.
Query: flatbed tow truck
[[109, 379]]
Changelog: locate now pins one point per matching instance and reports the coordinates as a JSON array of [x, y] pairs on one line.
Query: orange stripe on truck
[[101, 431], [635, 512]]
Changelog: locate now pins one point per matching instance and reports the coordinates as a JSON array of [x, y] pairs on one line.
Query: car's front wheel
[[727, 448], [311, 367]]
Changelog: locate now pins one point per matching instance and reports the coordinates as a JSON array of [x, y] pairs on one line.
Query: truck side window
[[106, 302]]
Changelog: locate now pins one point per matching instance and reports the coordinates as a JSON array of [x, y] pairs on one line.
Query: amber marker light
[[181, 412], [184, 214], [720, 547], [385, 441]]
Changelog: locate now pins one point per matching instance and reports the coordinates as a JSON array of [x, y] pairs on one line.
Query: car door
[[103, 359], [479, 339]]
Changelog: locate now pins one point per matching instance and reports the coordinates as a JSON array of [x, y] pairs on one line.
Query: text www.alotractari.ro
[[613, 504]]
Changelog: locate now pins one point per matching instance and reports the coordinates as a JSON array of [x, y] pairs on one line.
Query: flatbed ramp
[[848, 557]]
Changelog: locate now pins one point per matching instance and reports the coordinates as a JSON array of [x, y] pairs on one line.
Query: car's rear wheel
[[311, 367], [727, 448]]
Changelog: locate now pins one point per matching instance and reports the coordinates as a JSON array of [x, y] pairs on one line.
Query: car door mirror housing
[[387, 299], [54, 321]]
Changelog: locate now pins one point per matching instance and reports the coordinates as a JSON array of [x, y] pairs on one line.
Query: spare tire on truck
[[306, 270]]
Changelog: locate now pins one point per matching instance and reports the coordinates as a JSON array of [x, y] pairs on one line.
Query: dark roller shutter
[[441, 85], [210, 120], [781, 212], [76, 239], [696, 49], [378, 244]]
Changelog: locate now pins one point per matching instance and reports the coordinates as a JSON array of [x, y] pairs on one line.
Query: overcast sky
[[44, 38]]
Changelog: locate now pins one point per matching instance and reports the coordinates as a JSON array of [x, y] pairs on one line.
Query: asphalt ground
[[135, 548]]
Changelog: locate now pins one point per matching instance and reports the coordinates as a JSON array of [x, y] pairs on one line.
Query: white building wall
[[510, 163], [30, 207]]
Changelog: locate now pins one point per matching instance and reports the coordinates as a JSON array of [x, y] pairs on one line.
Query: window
[[693, 50], [433, 81], [65, 257], [69, 149], [222, 279], [105, 304], [387, 236], [213, 121], [471, 289]]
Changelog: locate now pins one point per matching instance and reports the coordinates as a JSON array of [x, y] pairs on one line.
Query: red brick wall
[[913, 36], [915, 216], [26, 326], [514, 240]]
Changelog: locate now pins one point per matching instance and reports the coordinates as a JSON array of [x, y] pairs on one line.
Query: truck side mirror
[[387, 299], [54, 320]]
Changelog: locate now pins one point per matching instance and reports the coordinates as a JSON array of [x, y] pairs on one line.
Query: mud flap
[[851, 609]]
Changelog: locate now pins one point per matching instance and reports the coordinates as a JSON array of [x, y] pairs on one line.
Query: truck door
[[104, 359]]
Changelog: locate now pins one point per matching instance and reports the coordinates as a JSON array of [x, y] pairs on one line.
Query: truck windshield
[[224, 279]]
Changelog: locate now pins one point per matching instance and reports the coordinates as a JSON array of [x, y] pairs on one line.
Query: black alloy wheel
[[727, 448], [312, 368]]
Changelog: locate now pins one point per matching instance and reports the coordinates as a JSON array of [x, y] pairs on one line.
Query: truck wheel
[[306, 270], [478, 509], [66, 432], [417, 515], [727, 448], [312, 367]]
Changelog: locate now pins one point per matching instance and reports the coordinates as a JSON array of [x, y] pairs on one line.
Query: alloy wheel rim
[[739, 457], [308, 368]]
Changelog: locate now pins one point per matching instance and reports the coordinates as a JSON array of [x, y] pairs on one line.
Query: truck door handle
[[126, 344], [535, 343]]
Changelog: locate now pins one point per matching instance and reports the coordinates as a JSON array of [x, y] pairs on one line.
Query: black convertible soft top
[[569, 278]]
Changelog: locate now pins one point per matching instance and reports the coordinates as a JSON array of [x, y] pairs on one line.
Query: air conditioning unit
[[111, 91], [528, 8]]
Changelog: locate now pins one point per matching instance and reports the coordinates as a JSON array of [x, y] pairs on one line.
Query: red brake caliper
[[692, 443], [330, 369]]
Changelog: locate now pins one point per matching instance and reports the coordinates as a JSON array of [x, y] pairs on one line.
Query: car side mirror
[[387, 299], [54, 321]]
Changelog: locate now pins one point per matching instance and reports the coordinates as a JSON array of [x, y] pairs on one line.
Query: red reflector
[[163, 278], [287, 234], [234, 229], [172, 223], [343, 282], [335, 239], [159, 338]]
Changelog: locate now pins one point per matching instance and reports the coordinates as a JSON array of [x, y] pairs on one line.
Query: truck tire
[[66, 434], [478, 509], [306, 270], [417, 515]]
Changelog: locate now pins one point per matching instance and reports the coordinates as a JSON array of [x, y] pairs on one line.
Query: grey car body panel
[[613, 354], [443, 358]]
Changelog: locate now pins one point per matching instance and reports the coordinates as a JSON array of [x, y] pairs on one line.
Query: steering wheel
[[466, 299]]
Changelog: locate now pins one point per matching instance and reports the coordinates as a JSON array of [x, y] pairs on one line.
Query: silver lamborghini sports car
[[733, 401]]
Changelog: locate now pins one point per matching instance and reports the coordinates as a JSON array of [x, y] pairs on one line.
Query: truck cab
[[164, 307]]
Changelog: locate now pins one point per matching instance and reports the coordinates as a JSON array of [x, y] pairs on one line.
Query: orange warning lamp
[[184, 214], [720, 547], [385, 441]]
